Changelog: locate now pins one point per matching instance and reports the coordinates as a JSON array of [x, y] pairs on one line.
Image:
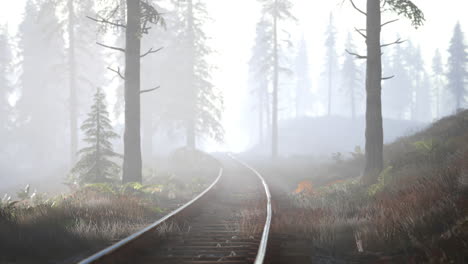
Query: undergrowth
[[417, 211]]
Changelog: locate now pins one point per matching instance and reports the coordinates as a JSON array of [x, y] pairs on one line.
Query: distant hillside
[[326, 135]]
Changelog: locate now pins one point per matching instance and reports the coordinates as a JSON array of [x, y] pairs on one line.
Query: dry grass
[[73, 225]]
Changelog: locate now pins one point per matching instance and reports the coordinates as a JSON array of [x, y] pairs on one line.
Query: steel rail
[[266, 230], [109, 250]]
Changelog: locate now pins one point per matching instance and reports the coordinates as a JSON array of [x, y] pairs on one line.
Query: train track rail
[[229, 222]]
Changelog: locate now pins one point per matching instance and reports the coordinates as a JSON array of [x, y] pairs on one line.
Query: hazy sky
[[233, 33]]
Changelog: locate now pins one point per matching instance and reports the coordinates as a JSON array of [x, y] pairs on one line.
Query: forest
[[250, 131]]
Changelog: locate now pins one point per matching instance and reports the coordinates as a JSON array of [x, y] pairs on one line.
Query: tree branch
[[360, 33], [355, 7], [387, 78], [150, 51], [102, 20], [149, 90], [389, 22], [396, 42], [119, 73], [361, 57], [111, 47]]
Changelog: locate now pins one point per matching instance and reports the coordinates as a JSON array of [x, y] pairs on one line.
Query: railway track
[[229, 222]]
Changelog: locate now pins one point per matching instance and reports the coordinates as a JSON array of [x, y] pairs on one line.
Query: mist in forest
[[208, 74]]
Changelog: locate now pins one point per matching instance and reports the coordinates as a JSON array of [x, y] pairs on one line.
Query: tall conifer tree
[[457, 72]]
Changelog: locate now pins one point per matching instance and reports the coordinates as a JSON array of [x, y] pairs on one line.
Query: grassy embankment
[[418, 210]]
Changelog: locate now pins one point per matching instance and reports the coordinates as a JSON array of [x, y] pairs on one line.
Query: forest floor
[[417, 212], [67, 228]]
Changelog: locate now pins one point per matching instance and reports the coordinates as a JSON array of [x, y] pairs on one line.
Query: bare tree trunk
[[374, 126], [72, 83], [274, 134], [132, 138]]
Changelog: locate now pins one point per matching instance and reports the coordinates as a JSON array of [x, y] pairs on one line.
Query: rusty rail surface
[[96, 258]]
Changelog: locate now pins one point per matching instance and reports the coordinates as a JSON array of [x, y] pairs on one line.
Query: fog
[[321, 90]]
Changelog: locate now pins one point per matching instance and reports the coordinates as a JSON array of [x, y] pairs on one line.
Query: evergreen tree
[[275, 12], [5, 83], [420, 102], [204, 102], [351, 77], [261, 74], [457, 72], [331, 62], [161, 111], [438, 80], [397, 94], [40, 107], [304, 84], [96, 160], [85, 62]]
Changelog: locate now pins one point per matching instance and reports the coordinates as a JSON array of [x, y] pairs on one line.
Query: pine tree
[[96, 161], [351, 77], [157, 107], [331, 62], [304, 84], [438, 80], [275, 12], [397, 94], [457, 72], [5, 83], [415, 66], [204, 102], [85, 62], [261, 74], [422, 100], [40, 107]]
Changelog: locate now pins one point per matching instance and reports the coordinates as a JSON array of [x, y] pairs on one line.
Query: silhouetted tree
[[374, 125], [397, 94], [6, 65], [351, 77], [457, 72], [85, 63], [438, 75], [159, 111], [204, 103], [96, 162], [421, 110], [261, 74], [40, 107], [276, 11], [331, 62], [304, 84]]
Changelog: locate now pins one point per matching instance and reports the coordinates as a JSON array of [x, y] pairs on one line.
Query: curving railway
[[229, 222]]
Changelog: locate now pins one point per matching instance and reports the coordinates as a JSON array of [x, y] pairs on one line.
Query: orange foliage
[[304, 187]]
